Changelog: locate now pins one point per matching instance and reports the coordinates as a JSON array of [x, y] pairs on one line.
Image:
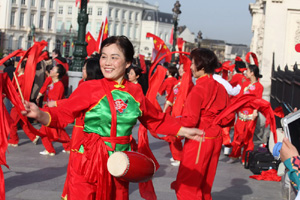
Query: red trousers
[[14, 138], [226, 136], [48, 144], [243, 137], [176, 148], [194, 181], [80, 189]]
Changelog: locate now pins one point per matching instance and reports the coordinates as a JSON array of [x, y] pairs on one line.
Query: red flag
[[64, 44], [18, 52], [171, 36], [143, 64], [180, 43], [32, 55], [156, 41], [278, 111], [103, 34], [254, 57], [92, 44], [79, 1]]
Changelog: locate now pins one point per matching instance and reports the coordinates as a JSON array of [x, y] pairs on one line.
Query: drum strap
[[117, 140]]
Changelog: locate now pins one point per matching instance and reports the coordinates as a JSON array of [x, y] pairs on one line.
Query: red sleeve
[[156, 121], [47, 82], [79, 101], [162, 88]]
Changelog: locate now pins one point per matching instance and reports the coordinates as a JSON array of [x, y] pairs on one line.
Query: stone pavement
[[36, 177]]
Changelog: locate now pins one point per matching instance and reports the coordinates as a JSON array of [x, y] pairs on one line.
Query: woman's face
[[53, 72], [132, 76], [84, 75], [113, 63], [249, 73], [196, 73], [181, 70]]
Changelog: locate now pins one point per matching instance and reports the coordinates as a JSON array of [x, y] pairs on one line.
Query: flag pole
[[18, 85]]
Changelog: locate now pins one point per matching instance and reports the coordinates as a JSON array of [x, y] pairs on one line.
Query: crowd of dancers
[[196, 118]]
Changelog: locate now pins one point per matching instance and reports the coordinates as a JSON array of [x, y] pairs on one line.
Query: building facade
[[276, 29], [26, 20]]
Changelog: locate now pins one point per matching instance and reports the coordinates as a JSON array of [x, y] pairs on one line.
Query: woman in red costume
[[55, 91], [14, 138], [247, 116], [175, 143], [168, 85], [111, 107], [205, 101]]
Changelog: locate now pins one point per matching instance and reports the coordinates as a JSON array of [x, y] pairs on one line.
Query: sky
[[217, 19]]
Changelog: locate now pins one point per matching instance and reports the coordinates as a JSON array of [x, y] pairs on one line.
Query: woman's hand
[[51, 104], [33, 111], [287, 150], [191, 133], [254, 114]]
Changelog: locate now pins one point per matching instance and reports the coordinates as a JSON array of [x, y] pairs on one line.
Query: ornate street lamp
[[176, 12], [80, 45], [199, 38]]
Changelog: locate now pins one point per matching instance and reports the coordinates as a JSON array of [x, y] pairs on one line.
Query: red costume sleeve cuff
[[49, 122]]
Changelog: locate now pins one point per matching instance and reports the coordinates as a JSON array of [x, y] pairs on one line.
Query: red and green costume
[[106, 132]]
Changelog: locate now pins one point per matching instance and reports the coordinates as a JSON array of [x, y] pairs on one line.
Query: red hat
[[254, 57]]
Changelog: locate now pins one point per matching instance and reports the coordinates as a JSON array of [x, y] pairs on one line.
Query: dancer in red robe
[[55, 91], [205, 101], [168, 85], [111, 107], [247, 116], [14, 114]]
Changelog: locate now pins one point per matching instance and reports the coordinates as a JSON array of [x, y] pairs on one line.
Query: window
[[10, 42], [60, 10], [110, 12], [90, 11], [69, 10], [136, 32], [13, 1], [32, 2], [123, 29], [51, 4], [115, 29], [136, 16], [50, 22], [22, 19], [129, 31], [130, 15], [20, 42], [42, 3], [12, 19], [58, 26], [58, 44], [31, 20], [123, 14], [117, 13], [41, 21], [23, 2], [99, 12]]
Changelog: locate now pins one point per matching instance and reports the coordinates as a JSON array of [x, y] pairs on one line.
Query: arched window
[[10, 44], [67, 50], [58, 44]]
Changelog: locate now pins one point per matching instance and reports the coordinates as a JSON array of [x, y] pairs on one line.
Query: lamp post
[[199, 37], [80, 45], [176, 12]]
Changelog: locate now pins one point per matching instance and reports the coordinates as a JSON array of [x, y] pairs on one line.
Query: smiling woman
[[111, 107]]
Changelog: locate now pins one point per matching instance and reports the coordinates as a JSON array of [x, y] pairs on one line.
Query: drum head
[[118, 164]]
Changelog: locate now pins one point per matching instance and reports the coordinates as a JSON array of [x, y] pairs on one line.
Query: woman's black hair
[[48, 68], [204, 59], [57, 52], [23, 64], [93, 69], [60, 70], [173, 71], [8, 63], [255, 70], [137, 70], [239, 65], [123, 43]]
